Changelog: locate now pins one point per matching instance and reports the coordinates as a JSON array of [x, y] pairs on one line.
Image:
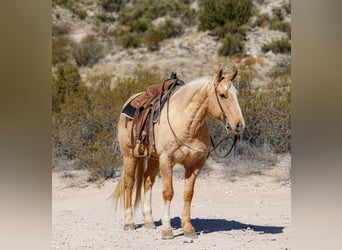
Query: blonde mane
[[190, 89]]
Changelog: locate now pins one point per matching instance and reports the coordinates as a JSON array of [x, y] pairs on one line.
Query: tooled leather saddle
[[145, 110]]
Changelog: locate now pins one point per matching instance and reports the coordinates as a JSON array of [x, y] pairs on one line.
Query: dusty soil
[[241, 212]]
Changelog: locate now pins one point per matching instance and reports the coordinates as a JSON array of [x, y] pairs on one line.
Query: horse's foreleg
[[150, 175], [129, 178], [190, 177], [166, 174]]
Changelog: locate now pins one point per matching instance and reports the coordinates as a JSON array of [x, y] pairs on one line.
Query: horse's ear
[[219, 74], [233, 75]]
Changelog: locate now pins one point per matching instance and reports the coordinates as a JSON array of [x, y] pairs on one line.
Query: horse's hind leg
[[150, 176], [191, 172], [129, 178]]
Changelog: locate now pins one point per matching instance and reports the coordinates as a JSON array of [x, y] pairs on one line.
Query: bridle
[[226, 124]]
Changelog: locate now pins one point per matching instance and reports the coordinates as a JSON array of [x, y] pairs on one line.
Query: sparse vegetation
[[136, 22], [88, 51], [84, 119], [282, 45]]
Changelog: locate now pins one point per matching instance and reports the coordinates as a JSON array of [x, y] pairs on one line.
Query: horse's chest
[[186, 155]]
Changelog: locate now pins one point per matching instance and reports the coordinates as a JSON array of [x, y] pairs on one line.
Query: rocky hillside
[[193, 53], [104, 51]]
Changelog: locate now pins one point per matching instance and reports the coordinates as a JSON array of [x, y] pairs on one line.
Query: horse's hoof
[[129, 227], [192, 235], [167, 235], [150, 225]]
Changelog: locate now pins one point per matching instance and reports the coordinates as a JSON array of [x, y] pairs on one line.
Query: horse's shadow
[[220, 225]]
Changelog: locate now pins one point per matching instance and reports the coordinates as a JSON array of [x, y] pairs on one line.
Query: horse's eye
[[223, 96]]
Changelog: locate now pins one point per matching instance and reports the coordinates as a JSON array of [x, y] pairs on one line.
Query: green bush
[[226, 19], [287, 7], [215, 14], [82, 14], [152, 9], [104, 17], [88, 52], [66, 82], [262, 20], [277, 14], [68, 4], [277, 21], [282, 45], [60, 49], [140, 25], [166, 29], [231, 44], [281, 26], [130, 40], [153, 37], [112, 5]]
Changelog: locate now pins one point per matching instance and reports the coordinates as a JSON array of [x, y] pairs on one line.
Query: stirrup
[[139, 148]]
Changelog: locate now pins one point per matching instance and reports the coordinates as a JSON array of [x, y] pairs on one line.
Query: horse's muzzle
[[238, 128]]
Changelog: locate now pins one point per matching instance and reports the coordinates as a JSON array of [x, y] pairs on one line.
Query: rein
[[211, 139]]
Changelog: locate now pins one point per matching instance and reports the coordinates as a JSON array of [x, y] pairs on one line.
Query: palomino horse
[[188, 145]]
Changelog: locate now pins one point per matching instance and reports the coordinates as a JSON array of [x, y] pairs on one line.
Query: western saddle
[[148, 107]]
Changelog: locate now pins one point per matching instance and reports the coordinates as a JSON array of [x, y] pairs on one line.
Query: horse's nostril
[[238, 127]]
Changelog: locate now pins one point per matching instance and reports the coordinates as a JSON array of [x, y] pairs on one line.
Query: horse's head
[[223, 102]]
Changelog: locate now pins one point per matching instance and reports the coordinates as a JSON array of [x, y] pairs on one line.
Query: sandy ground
[[246, 212]]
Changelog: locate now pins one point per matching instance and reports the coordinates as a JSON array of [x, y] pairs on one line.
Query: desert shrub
[[66, 82], [61, 29], [152, 38], [130, 40], [152, 9], [84, 119], [140, 25], [138, 20], [84, 128], [226, 20], [231, 44], [60, 49], [281, 26], [215, 14], [104, 17], [277, 14], [189, 17], [266, 112], [170, 28], [68, 4], [287, 7], [88, 52], [262, 20], [166, 29], [282, 45], [82, 14], [112, 5], [277, 21]]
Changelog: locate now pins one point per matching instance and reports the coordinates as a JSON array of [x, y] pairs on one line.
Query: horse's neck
[[195, 108]]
